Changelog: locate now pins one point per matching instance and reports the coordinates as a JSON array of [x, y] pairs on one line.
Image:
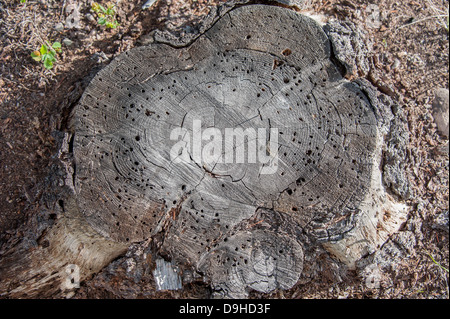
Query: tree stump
[[234, 153]]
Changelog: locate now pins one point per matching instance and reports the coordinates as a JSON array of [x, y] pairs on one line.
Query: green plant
[[442, 267], [106, 16], [47, 54]]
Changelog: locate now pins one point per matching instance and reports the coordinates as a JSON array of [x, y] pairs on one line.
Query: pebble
[[148, 4], [373, 19], [440, 110], [59, 27], [99, 57], [67, 42], [90, 17], [147, 38], [396, 64]]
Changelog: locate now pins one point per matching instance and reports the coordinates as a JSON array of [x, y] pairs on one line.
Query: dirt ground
[[409, 52]]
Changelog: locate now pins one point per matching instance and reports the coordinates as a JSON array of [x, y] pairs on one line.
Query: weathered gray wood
[[351, 47], [258, 67], [257, 259], [69, 253], [179, 37]]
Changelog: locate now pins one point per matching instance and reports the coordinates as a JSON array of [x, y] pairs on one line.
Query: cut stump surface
[[187, 144]]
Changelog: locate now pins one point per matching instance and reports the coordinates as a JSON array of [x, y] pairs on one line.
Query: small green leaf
[[48, 64], [45, 58], [36, 55], [95, 7], [112, 25], [110, 11], [102, 8], [56, 46], [44, 49], [51, 57], [101, 21]]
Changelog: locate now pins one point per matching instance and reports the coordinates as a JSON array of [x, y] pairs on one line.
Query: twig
[[19, 84], [437, 262], [424, 19], [63, 7]]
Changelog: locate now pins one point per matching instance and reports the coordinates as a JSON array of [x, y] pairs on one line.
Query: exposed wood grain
[[241, 225], [69, 253], [257, 67]]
